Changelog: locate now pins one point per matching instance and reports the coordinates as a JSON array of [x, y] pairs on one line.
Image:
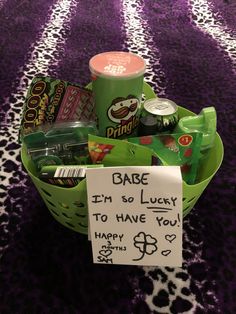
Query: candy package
[[51, 100], [113, 152], [177, 149], [59, 143]]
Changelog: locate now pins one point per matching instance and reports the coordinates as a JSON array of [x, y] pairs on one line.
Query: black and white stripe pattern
[[214, 25], [45, 52], [139, 40]]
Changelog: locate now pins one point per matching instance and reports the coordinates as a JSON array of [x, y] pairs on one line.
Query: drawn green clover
[[145, 243]]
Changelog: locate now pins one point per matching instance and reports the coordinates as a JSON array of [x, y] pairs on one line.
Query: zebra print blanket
[[190, 50]]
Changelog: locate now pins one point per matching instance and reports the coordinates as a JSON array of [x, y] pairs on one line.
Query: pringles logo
[[123, 112]]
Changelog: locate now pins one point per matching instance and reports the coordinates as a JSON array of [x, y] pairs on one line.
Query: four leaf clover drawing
[[145, 243]]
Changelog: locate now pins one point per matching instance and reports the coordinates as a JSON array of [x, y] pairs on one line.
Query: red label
[[146, 140], [188, 152], [185, 140]]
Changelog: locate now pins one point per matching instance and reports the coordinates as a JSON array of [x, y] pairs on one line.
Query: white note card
[[135, 215]]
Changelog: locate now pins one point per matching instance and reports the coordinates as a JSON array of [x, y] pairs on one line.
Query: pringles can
[[117, 83], [158, 115]]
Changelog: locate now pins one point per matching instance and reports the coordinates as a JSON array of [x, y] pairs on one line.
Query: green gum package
[[179, 149]]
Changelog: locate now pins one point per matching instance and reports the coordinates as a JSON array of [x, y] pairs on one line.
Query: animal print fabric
[[190, 50]]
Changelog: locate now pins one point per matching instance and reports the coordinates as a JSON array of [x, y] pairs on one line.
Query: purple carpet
[[190, 50]]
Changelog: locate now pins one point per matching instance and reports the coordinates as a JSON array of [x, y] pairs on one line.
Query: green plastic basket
[[69, 205]]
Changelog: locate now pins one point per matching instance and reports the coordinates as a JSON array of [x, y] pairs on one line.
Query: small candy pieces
[[98, 151]]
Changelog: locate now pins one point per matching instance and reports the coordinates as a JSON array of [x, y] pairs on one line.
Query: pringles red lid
[[117, 64]]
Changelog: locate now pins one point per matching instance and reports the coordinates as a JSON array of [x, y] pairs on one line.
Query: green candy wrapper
[[176, 150], [112, 153]]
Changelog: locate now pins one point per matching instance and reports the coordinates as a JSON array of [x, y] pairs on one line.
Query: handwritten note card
[[135, 215]]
